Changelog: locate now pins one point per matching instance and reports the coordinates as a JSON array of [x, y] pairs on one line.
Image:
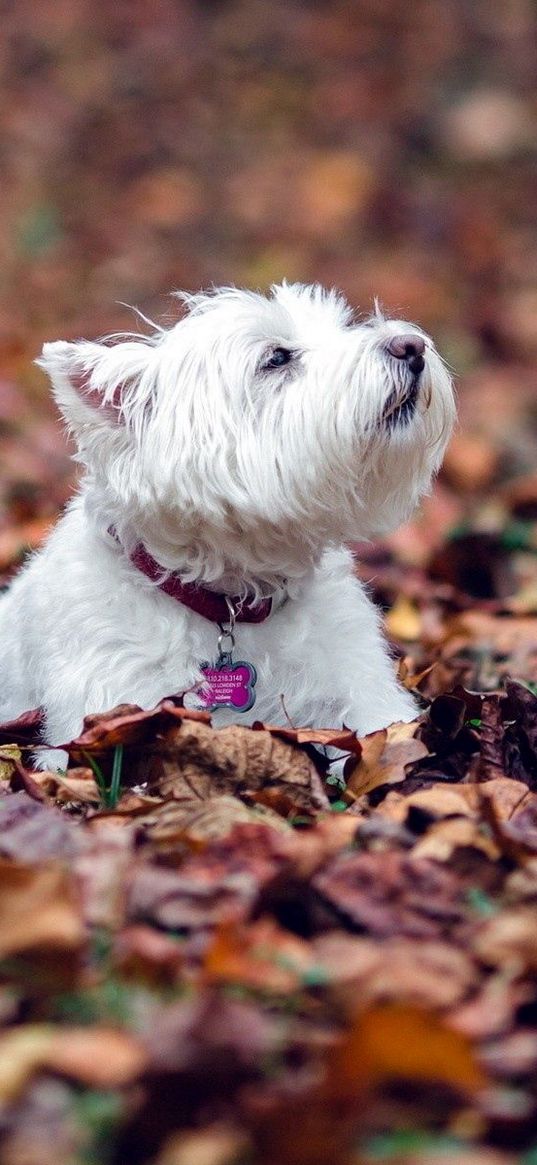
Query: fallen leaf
[[516, 837], [102, 869], [33, 832], [489, 1011], [398, 1041], [509, 797], [180, 755], [386, 894], [491, 762], [341, 738], [25, 730], [429, 805], [9, 753], [408, 677], [509, 940], [218, 1144], [97, 1057], [78, 784], [194, 822], [386, 754], [143, 953], [22, 1052], [403, 621], [39, 911], [194, 760], [509, 644], [128, 725], [217, 885], [426, 974], [261, 956], [444, 837]]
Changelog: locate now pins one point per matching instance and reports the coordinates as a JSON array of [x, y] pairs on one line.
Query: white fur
[[242, 478]]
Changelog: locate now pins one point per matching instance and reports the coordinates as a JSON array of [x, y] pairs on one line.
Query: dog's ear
[[98, 383]]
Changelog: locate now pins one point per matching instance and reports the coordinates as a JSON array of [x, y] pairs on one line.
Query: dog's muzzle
[[409, 350]]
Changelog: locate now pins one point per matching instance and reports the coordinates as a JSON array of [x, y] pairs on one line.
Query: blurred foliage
[[382, 147], [387, 149]]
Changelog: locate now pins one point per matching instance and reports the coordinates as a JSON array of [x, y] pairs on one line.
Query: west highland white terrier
[[227, 460]]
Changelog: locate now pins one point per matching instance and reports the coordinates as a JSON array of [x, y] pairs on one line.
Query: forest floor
[[214, 953]]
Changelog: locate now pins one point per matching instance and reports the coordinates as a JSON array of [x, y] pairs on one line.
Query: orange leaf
[[395, 1041], [261, 956]]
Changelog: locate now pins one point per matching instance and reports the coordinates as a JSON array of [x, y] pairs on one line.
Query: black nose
[[409, 347]]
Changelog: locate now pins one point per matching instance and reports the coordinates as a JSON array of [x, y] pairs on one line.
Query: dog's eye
[[277, 359]]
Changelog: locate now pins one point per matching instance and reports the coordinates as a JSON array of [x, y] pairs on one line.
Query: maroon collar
[[210, 604]]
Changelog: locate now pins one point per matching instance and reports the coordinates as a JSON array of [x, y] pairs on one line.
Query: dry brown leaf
[[93, 1056], [23, 1051], [408, 677], [38, 910], [463, 1157], [128, 724], [403, 621], [9, 754], [196, 761], [390, 893], [509, 941], [197, 822], [455, 800], [218, 1144], [507, 796], [444, 837], [78, 784], [343, 739], [511, 642], [516, 836], [26, 729], [97, 1057], [521, 885], [261, 956], [102, 871], [215, 885], [347, 960], [310, 1126], [426, 974], [490, 1010], [385, 757], [491, 764], [178, 754], [295, 1124], [141, 952], [398, 1041], [437, 802], [312, 848]]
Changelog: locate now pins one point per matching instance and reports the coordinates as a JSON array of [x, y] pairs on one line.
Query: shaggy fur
[[240, 473]]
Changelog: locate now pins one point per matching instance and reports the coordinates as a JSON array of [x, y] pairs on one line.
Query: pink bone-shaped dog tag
[[227, 686]]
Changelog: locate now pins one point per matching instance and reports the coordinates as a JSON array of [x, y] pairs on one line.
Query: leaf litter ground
[[215, 952]]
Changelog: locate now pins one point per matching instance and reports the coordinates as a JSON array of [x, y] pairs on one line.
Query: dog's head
[[256, 430]]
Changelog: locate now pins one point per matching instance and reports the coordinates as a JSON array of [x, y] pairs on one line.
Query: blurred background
[[385, 148]]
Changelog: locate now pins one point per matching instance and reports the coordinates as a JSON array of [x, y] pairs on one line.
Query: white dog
[[226, 462]]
